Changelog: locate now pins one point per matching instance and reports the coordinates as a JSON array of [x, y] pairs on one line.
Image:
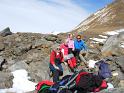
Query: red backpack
[[90, 82], [72, 62]]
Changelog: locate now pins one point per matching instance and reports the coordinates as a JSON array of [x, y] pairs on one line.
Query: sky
[[46, 16]]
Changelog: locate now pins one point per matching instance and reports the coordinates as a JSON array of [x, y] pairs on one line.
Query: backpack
[[43, 86], [104, 70], [88, 82], [72, 62]]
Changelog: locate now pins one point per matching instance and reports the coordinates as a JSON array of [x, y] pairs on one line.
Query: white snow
[[110, 86], [91, 63], [120, 30], [115, 74], [115, 32], [103, 36], [122, 45], [98, 39], [112, 33], [21, 83]]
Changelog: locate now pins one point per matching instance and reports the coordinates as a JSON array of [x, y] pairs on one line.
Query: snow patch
[[122, 45], [112, 33], [110, 86], [98, 40], [91, 63], [103, 36], [115, 32], [21, 83]]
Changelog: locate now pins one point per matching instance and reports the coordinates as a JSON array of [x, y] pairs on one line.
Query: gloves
[[65, 64], [56, 67]]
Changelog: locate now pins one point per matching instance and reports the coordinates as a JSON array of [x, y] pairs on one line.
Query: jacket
[[55, 55], [80, 45], [70, 43], [64, 49]]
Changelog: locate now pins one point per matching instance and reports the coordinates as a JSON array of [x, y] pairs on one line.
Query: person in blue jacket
[[80, 49]]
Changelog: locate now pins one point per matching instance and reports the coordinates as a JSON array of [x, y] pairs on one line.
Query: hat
[[55, 46]]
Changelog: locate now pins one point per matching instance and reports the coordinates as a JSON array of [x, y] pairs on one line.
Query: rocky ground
[[30, 51]]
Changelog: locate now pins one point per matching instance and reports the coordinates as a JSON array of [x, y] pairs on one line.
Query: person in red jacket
[[56, 58]]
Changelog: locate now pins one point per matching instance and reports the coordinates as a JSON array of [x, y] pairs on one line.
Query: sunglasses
[[78, 38], [58, 49]]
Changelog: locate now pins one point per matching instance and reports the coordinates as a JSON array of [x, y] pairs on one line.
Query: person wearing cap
[[80, 48], [56, 58]]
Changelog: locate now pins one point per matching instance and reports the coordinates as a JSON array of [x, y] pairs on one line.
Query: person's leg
[[61, 70], [56, 76], [82, 57], [76, 54], [83, 60], [69, 50]]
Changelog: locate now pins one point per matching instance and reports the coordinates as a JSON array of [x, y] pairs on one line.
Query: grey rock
[[120, 63], [114, 90], [41, 43], [51, 37], [111, 46], [6, 80], [2, 47], [22, 48], [121, 84], [2, 62], [6, 32], [39, 70], [19, 65]]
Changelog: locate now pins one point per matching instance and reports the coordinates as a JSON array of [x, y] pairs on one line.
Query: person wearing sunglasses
[[80, 49]]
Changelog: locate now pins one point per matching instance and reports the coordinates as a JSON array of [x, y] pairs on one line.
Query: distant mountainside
[[110, 18]]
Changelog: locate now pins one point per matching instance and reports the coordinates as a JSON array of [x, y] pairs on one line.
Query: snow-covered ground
[[122, 45], [103, 36], [21, 83], [114, 32], [98, 40]]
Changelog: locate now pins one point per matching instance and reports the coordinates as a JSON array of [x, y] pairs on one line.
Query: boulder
[[120, 63], [6, 32], [2, 62], [41, 43], [39, 70], [2, 47], [114, 90], [111, 46], [6, 80], [21, 48], [51, 37], [19, 65]]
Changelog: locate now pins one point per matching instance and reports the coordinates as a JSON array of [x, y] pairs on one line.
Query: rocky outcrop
[[6, 80], [5, 32], [112, 45]]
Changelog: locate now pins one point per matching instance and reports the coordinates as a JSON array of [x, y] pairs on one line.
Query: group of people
[[69, 52]]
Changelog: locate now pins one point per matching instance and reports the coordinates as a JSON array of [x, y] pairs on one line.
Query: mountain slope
[[109, 18]]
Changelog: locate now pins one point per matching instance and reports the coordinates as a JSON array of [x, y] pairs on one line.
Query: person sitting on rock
[[68, 58], [64, 50], [80, 49], [56, 58]]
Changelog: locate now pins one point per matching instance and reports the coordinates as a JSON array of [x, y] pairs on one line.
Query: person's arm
[[73, 45], [52, 58], [84, 46]]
